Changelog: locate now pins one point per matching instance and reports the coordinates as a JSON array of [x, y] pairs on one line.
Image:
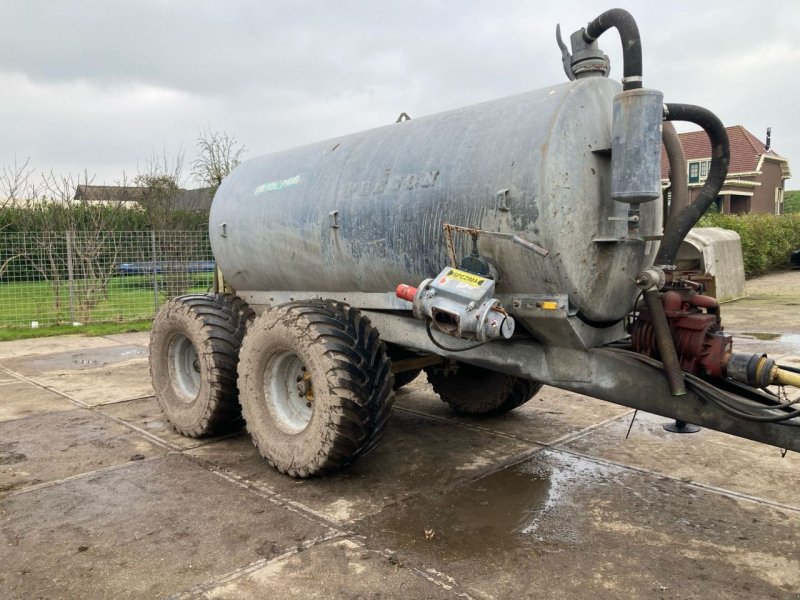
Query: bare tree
[[75, 239], [29, 212], [17, 185], [159, 182], [218, 154], [159, 186], [60, 238], [18, 189], [90, 226]]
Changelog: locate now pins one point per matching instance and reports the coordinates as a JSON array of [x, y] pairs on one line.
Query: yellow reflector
[[549, 305]]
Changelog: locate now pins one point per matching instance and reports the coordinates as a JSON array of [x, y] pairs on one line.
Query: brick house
[[756, 175]]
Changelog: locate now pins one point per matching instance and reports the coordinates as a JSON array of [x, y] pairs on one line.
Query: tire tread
[[498, 393], [222, 319], [358, 374]]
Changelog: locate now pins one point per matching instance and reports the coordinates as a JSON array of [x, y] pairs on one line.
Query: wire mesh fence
[[49, 278]]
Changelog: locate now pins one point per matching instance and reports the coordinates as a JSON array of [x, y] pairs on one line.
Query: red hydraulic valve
[[406, 292]]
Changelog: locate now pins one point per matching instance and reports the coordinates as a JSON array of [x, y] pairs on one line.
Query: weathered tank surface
[[364, 212], [498, 247]]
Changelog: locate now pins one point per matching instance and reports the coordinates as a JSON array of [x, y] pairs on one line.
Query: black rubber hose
[[720, 158], [719, 396], [631, 43], [678, 180], [665, 343]]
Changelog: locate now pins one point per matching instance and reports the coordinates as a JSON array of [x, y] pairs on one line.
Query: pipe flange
[[652, 278]]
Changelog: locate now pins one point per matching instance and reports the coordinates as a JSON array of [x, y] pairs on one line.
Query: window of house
[[698, 170], [694, 172]]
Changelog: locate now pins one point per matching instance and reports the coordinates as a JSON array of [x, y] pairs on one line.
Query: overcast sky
[[101, 84]]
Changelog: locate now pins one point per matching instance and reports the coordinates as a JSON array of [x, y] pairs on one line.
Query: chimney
[[769, 139]]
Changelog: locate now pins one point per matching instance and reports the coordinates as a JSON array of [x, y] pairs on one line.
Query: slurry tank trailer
[[498, 247]]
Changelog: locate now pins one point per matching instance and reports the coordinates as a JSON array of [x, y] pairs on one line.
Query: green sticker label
[[274, 186]]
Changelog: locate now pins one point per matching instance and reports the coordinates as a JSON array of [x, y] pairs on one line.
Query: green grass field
[[126, 299], [19, 333]]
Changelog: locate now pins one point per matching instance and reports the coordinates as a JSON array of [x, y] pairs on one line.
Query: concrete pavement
[[100, 499]]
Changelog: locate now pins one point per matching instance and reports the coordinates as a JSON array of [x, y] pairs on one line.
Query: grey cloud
[[101, 83]]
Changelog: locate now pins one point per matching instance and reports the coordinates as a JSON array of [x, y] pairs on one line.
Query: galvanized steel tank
[[364, 212]]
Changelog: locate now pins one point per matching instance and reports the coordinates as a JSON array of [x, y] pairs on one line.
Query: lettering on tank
[[274, 186], [391, 183]]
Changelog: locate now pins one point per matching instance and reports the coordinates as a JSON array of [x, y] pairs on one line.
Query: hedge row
[[84, 216], [791, 201], [767, 240]]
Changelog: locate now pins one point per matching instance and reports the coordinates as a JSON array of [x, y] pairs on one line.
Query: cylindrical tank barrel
[[364, 212]]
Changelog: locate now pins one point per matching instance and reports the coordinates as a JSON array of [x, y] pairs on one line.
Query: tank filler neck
[[586, 58]]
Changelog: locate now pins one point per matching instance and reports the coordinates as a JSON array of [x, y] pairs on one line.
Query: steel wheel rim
[[288, 391], [184, 367]]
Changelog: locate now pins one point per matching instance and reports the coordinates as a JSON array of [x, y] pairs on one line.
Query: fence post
[[70, 278], [155, 271]]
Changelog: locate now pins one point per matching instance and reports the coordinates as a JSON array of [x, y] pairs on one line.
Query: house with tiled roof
[[756, 176]]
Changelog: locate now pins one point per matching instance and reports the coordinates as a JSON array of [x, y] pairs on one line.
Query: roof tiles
[[745, 149]]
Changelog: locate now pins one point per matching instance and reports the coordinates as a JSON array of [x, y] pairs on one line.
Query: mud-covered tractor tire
[[315, 386], [478, 392], [405, 377], [397, 353], [194, 351]]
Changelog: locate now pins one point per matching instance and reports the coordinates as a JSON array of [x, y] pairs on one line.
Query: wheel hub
[[184, 367], [289, 391], [304, 387]]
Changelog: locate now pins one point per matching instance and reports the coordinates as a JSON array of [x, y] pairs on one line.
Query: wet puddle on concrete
[[515, 507], [789, 341], [71, 360], [788, 338]]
